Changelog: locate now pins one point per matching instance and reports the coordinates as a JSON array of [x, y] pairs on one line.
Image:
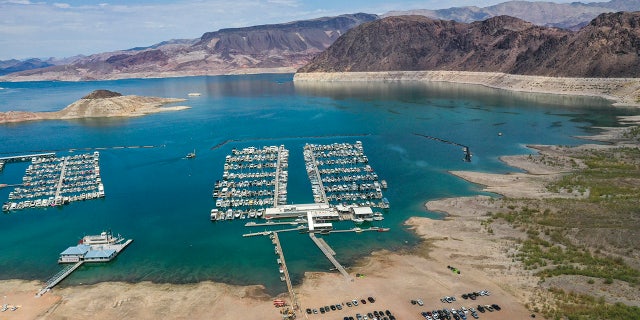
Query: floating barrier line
[[467, 152]]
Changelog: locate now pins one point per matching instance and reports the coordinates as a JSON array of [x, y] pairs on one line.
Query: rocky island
[[99, 104]]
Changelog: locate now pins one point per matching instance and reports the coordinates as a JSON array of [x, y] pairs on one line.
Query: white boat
[[103, 238], [193, 94], [191, 155], [214, 214], [358, 220]]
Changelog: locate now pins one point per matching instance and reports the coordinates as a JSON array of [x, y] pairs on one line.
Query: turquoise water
[[162, 200]]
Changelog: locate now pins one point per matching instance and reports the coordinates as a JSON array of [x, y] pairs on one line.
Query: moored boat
[[105, 237]]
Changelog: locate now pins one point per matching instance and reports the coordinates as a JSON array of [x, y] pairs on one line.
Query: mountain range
[[609, 46], [276, 48], [571, 16]]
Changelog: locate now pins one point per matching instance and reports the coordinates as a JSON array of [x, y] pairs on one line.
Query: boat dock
[[50, 181], [319, 195], [266, 233], [340, 174], [59, 277], [253, 180], [329, 253], [270, 223], [283, 265], [27, 157]]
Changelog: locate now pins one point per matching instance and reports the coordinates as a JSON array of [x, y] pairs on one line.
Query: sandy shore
[[392, 278], [623, 91]]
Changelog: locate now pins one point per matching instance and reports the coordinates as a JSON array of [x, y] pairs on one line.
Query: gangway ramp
[[329, 253], [59, 277]]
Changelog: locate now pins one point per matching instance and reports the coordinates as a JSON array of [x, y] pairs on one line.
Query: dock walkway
[[292, 295], [27, 157], [59, 277], [328, 252], [61, 180]]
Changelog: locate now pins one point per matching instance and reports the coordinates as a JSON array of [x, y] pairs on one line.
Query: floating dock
[[340, 174], [50, 181], [27, 157], [283, 263], [253, 180]]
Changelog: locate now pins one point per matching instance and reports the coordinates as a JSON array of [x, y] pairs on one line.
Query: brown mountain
[[267, 48], [562, 15], [607, 47]]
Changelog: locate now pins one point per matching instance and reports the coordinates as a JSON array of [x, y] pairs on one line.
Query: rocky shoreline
[[622, 91]]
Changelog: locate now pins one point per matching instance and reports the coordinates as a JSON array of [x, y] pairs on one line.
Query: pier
[[61, 180], [287, 279], [328, 252], [314, 176], [59, 277], [270, 223]]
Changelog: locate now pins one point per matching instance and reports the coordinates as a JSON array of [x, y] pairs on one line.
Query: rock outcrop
[[99, 104]]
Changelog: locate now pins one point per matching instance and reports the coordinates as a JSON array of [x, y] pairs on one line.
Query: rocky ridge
[[258, 49], [609, 46]]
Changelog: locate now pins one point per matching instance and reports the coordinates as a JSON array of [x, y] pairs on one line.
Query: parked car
[[371, 299]]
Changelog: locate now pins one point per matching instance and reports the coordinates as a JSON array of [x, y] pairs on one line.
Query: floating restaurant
[[95, 248]]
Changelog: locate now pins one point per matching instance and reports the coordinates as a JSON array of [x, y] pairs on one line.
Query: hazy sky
[[32, 28]]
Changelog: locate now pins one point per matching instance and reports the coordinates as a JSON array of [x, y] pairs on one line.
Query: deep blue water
[[163, 200]]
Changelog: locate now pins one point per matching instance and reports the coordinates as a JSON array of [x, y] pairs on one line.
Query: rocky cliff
[[609, 46]]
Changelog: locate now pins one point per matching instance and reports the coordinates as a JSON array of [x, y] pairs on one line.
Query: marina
[[253, 180], [340, 174], [50, 181]]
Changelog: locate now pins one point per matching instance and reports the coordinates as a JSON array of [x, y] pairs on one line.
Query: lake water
[[162, 200]]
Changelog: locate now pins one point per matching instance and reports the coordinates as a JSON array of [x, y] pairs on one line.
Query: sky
[[64, 28]]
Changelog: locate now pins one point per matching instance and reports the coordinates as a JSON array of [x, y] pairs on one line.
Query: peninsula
[[99, 104]]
